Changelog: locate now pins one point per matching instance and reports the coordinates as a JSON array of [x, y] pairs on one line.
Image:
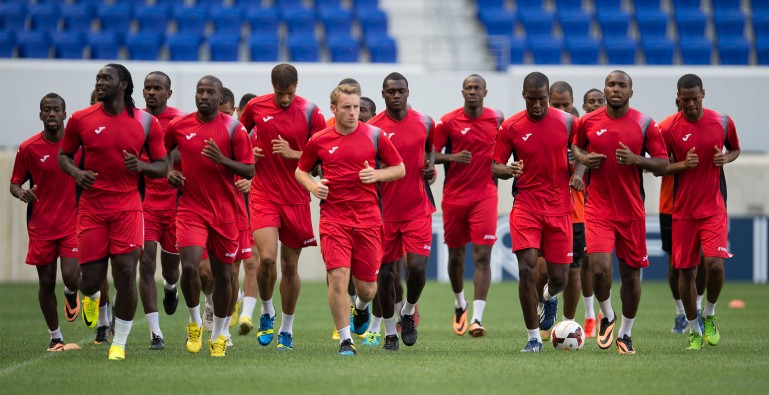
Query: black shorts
[[666, 232], [578, 245]]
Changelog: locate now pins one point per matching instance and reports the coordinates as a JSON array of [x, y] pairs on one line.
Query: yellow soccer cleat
[[218, 347], [194, 337], [116, 353], [234, 320], [90, 311], [334, 335], [246, 325]]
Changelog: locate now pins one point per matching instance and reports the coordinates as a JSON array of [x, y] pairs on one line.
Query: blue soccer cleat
[[285, 341], [532, 346], [266, 325], [680, 325], [549, 313]]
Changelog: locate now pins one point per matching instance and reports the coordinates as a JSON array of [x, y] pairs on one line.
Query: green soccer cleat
[[695, 341], [711, 334]]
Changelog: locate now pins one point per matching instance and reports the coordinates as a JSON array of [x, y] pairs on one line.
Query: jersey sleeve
[[574, 127], [241, 146], [440, 136], [654, 144], [20, 169], [309, 156], [503, 147], [156, 149], [317, 121], [732, 142], [430, 134], [666, 137], [247, 118], [579, 138], [169, 138], [387, 151], [71, 141]]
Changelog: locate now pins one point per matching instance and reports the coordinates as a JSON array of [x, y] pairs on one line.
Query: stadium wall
[[729, 90]]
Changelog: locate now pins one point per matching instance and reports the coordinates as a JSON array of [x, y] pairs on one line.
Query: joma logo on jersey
[[231, 254], [489, 237], [99, 130], [308, 241], [265, 119], [600, 132], [331, 151], [570, 255], [44, 158], [390, 135], [245, 250], [686, 137], [464, 131], [526, 137], [426, 247], [191, 135]]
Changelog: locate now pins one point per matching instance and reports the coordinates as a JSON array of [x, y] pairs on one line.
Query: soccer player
[[593, 100], [367, 109], [469, 196], [351, 226], [113, 135], [242, 103], [540, 220], [347, 81], [207, 215], [51, 215], [280, 207], [228, 103], [614, 211], [159, 219], [406, 208], [701, 142]]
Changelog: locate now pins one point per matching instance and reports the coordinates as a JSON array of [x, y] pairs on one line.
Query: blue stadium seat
[[658, 51], [104, 45], [575, 26], [490, 5], [13, 16], [761, 25], [506, 50], [685, 6], [143, 46], [184, 47], [382, 49], [529, 7], [365, 5], [538, 24], [545, 50], [263, 20], [344, 49], [691, 24], [77, 17], [652, 27], [583, 50], [729, 25], [7, 44], [321, 5], [263, 48], [44, 17], [617, 26], [288, 4], [720, 6], [498, 22], [568, 10], [620, 50], [373, 23], [696, 50], [175, 3], [116, 19], [336, 22], [303, 48], [227, 20], [300, 21], [68, 45], [646, 5], [608, 5], [733, 51], [224, 47], [759, 5], [762, 50], [152, 19], [190, 20], [33, 44]]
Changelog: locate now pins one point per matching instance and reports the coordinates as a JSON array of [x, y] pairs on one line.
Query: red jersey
[[409, 197], [53, 216], [666, 189], [210, 188], [458, 132], [350, 201], [542, 145], [158, 195], [700, 192], [615, 191], [103, 138], [577, 197], [274, 173]]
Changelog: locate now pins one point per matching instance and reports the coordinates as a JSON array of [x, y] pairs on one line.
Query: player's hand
[[28, 195], [428, 172], [258, 154], [516, 168], [211, 151], [719, 159], [577, 183], [243, 185], [132, 163], [176, 179], [85, 178], [692, 160], [592, 160], [463, 156], [321, 190], [281, 147], [625, 156], [368, 174]]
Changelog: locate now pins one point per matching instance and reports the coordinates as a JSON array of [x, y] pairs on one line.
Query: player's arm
[[502, 150], [25, 195], [154, 169], [318, 189], [628, 158], [282, 148], [591, 160], [578, 177], [369, 175], [428, 172], [19, 176], [211, 151], [83, 178], [721, 158]]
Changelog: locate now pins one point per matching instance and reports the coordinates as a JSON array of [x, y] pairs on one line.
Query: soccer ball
[[567, 335]]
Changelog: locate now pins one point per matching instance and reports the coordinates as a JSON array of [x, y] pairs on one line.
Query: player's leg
[[398, 289], [713, 236], [540, 280], [482, 223], [456, 268], [338, 302], [571, 293], [169, 263], [586, 281], [235, 291], [701, 282], [386, 297], [105, 326], [417, 239], [207, 287], [148, 292], [250, 290], [93, 249], [190, 284], [373, 334], [70, 275], [666, 225], [222, 298], [126, 297], [289, 293], [529, 297], [46, 296], [557, 249], [601, 265], [632, 257], [266, 275]]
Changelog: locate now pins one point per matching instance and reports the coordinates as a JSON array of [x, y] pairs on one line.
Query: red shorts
[[629, 237], [160, 226], [360, 249], [100, 235], [245, 240], [474, 222], [293, 221], [220, 240], [414, 235], [710, 233], [43, 252], [552, 235]]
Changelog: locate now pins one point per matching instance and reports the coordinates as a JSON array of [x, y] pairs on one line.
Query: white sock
[[56, 334], [168, 287], [680, 306], [694, 325], [287, 323], [398, 308], [95, 296], [359, 304], [375, 325], [710, 309], [227, 326], [249, 303], [352, 299], [608, 312], [459, 300], [589, 311], [534, 334], [478, 306], [104, 316], [626, 327], [390, 326], [408, 308], [122, 329], [218, 328], [210, 299], [546, 293], [267, 308], [195, 315], [240, 295], [699, 301], [152, 319], [344, 334], [68, 291]]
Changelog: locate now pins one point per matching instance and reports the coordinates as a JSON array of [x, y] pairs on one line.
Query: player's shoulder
[[715, 115], [323, 134], [173, 112], [670, 121], [37, 138], [266, 100], [452, 115], [493, 113], [90, 111], [176, 122], [514, 119], [424, 119], [594, 116], [377, 118]]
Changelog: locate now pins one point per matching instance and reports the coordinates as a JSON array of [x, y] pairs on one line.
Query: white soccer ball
[[567, 335]]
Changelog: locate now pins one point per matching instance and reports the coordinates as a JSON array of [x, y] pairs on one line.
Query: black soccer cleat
[[102, 335], [409, 330], [157, 343], [170, 300], [391, 343]]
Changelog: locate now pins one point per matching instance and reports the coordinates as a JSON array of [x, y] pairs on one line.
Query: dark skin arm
[[626, 157], [83, 178], [459, 157], [506, 172], [691, 161], [25, 195], [156, 169], [211, 151], [592, 160]]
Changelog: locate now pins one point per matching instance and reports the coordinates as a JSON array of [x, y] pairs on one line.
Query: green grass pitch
[[440, 362]]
